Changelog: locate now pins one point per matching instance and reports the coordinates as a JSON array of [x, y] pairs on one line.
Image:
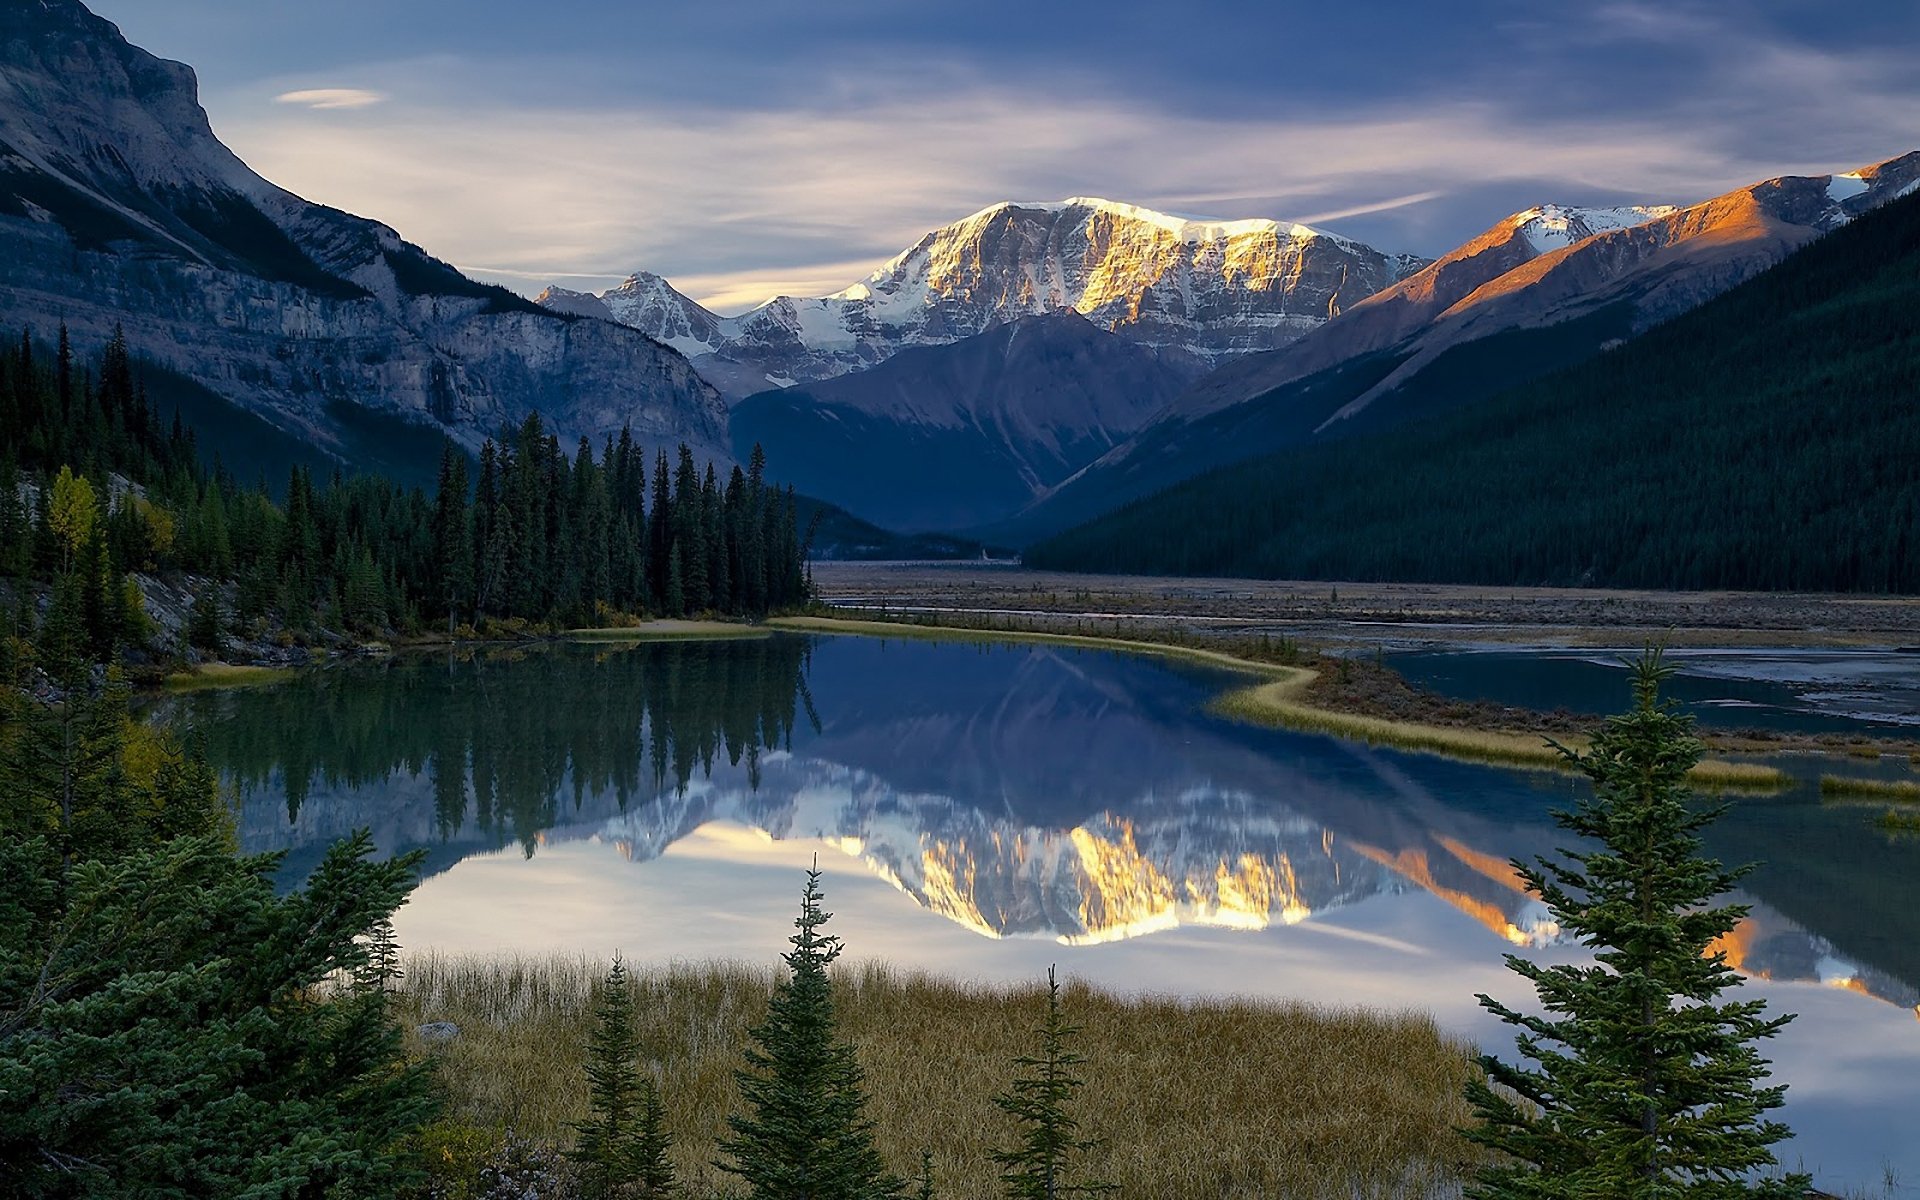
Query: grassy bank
[[1226, 1098], [1211, 656], [1308, 699], [669, 631], [1847, 788], [224, 675], [1280, 703]]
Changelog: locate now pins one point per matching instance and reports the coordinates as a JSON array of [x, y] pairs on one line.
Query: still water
[[1796, 691], [984, 811]]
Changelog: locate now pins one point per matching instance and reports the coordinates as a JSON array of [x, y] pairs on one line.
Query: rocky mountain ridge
[[120, 208], [1540, 289], [955, 436], [1213, 290]]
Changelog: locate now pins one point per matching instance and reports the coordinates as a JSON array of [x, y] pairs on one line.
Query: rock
[[437, 1031]]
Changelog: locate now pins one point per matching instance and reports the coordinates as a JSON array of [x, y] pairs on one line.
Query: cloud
[[738, 201], [331, 98], [1371, 207]]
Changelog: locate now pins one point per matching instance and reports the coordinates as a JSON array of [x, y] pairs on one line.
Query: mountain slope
[[1542, 289], [1211, 289], [119, 206], [947, 437], [1765, 440]]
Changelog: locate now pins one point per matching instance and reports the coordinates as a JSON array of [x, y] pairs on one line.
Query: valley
[[1312, 621]]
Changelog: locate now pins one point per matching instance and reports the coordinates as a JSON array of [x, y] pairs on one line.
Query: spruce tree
[[621, 1148], [204, 621], [1644, 1084], [1038, 1164], [805, 1135]]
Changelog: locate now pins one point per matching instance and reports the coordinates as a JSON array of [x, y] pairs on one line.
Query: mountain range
[[1208, 289], [1009, 375]]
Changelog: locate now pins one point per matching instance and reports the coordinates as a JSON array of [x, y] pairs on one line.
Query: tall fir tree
[[1644, 1084], [804, 1133], [1039, 1164], [453, 534], [621, 1149]]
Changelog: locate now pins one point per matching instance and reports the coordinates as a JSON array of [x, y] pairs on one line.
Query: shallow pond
[[1797, 691], [986, 810]]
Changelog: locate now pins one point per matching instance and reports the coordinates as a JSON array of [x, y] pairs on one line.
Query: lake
[[986, 810]]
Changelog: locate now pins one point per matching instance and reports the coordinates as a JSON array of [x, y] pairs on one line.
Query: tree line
[[1764, 441], [508, 755], [96, 487]]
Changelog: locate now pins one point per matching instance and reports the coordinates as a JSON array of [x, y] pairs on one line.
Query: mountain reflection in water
[[1020, 792]]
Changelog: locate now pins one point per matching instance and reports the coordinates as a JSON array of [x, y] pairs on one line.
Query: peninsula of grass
[[1220, 1098], [1904, 791], [669, 630], [211, 675], [1210, 655], [1348, 698]]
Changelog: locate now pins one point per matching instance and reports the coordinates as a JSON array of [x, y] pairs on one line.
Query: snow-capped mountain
[[1211, 289], [1556, 284], [119, 207]]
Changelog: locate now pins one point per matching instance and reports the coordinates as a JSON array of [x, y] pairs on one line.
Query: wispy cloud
[[331, 98], [804, 186], [1376, 206]]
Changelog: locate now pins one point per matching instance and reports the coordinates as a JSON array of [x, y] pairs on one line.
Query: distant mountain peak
[[1552, 227], [1185, 227], [1209, 288]]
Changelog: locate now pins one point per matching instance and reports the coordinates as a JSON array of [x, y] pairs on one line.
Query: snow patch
[[1555, 226], [1841, 188]]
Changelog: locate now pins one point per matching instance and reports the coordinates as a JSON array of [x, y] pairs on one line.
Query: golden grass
[[1224, 1098], [223, 675], [670, 631], [951, 633], [1899, 820], [1903, 790], [1277, 704]]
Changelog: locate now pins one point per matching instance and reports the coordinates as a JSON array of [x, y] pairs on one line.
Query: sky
[[749, 148]]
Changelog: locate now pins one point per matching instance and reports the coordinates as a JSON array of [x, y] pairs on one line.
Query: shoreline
[[1342, 612], [1278, 703]]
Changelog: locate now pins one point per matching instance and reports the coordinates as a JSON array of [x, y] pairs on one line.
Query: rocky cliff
[[119, 206]]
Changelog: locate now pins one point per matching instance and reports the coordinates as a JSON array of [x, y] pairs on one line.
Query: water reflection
[[1023, 792], [977, 807]]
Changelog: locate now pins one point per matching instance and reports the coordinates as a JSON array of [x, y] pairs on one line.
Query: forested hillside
[[96, 488], [1768, 440]]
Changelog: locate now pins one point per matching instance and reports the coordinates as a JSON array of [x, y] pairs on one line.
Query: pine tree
[[204, 622], [621, 1148], [1644, 1085], [382, 969], [805, 1134], [453, 534], [1037, 1165]]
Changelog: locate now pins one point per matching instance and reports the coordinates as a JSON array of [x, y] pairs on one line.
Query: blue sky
[[748, 147]]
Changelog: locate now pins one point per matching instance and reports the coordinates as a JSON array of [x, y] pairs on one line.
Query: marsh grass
[[211, 675], [669, 631], [1901, 821], [1277, 704], [1225, 1098], [1903, 791]]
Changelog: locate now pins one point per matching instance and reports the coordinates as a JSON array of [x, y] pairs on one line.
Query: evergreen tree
[[453, 534], [621, 1148], [805, 1134], [1644, 1086], [1037, 1165], [382, 969], [204, 622]]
